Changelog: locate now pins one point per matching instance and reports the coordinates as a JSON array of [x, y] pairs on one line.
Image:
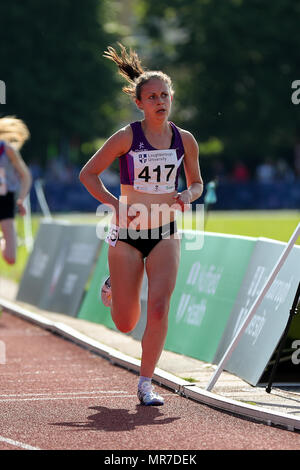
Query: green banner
[[92, 308], [208, 282], [258, 342]]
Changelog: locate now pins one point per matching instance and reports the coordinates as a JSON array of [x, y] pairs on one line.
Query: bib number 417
[[145, 173]]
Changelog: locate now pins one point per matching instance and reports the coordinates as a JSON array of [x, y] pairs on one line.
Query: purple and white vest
[[151, 170]]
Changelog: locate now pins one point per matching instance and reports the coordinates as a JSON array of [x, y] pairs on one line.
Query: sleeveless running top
[[9, 178], [151, 170]]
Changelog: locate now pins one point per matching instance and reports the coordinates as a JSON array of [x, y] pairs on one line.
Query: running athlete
[[143, 230], [15, 182]]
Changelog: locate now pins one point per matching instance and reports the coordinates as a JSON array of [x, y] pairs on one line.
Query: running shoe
[[148, 397], [106, 293]]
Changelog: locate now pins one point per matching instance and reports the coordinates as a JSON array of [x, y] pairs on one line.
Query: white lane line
[[5, 400], [18, 444], [20, 395], [62, 398]]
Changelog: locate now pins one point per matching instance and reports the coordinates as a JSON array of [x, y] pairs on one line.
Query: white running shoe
[[106, 293], [148, 397]]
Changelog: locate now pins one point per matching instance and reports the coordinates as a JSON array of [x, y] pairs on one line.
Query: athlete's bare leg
[[8, 242], [162, 267], [126, 267]]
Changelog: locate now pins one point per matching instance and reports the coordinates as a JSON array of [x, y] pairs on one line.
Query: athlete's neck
[[158, 129]]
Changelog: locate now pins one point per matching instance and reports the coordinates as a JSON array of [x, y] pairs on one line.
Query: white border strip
[[249, 411], [276, 242], [215, 234], [228, 235], [177, 384], [17, 443]]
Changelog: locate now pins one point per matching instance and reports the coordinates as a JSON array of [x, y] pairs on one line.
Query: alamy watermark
[[2, 92], [296, 94], [128, 222]]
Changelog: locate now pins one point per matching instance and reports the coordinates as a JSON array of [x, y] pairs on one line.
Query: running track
[[56, 395]]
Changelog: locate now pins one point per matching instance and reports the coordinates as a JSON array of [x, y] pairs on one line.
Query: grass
[[278, 225], [190, 379]]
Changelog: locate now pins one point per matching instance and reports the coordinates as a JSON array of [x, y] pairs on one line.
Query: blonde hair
[[130, 68], [14, 131]]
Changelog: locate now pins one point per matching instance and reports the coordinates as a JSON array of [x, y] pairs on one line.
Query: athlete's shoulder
[[124, 133], [120, 141]]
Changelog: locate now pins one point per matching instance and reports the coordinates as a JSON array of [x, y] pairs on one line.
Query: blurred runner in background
[[15, 182]]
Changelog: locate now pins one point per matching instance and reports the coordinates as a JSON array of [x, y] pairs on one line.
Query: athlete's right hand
[[123, 216]]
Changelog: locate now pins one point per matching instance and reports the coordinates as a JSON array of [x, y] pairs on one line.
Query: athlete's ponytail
[[130, 68]]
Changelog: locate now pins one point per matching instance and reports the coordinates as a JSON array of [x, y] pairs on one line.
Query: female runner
[[150, 153], [15, 182]]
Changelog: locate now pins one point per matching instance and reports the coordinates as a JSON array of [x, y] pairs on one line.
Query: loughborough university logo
[[143, 157]]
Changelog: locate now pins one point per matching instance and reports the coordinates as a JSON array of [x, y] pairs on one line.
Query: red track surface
[[56, 395]]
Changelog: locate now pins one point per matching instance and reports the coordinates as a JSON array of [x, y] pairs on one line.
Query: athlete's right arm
[[24, 174], [117, 145]]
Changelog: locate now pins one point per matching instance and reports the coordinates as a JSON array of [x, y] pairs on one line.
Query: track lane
[[56, 395]]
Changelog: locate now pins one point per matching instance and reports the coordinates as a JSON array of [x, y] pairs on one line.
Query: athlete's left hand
[[183, 200]]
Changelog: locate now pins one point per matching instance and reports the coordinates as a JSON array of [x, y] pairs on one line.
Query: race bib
[[155, 170], [113, 235], [3, 186]]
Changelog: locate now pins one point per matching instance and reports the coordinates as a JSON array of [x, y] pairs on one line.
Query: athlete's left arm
[[191, 168]]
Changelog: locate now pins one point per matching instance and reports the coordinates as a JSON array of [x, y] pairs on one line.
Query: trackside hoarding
[[38, 272], [260, 339], [92, 308], [207, 285], [218, 281], [59, 267]]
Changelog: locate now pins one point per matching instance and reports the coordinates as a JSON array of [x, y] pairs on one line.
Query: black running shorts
[[7, 206]]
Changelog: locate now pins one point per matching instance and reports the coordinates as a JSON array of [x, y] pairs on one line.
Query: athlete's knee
[[124, 326], [158, 309], [124, 323]]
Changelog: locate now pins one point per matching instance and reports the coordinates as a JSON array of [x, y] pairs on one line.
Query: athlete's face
[[155, 99]]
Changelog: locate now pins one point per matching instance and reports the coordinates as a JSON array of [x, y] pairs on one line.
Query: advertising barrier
[[40, 265], [208, 282], [259, 341], [92, 308], [218, 281], [59, 267], [207, 285]]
